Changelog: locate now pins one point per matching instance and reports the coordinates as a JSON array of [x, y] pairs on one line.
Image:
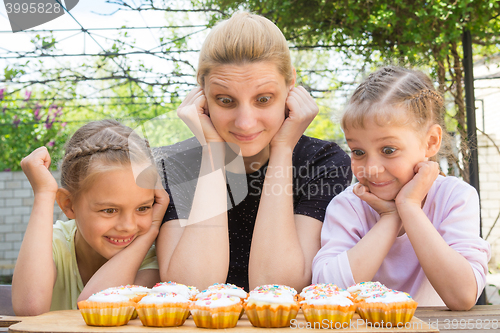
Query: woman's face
[[246, 104]]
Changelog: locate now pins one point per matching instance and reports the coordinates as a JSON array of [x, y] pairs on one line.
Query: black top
[[321, 171]]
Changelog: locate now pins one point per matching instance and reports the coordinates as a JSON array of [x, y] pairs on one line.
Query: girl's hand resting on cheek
[[36, 167], [415, 191], [194, 112], [301, 109], [382, 207]]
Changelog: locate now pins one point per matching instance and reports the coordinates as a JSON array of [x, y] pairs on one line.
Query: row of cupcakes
[[221, 305]]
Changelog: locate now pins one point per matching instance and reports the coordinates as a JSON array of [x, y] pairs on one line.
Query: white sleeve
[[459, 227], [342, 230]]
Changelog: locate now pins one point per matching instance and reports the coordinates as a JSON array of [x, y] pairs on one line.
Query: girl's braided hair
[[397, 96], [100, 146]]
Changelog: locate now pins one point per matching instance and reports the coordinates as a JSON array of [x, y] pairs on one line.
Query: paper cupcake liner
[[163, 315], [397, 313], [271, 314], [328, 316], [106, 314], [223, 317]]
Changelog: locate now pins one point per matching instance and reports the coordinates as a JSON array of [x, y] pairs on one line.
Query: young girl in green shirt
[[110, 193]]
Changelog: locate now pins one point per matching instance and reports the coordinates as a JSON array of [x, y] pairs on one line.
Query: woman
[[247, 109]]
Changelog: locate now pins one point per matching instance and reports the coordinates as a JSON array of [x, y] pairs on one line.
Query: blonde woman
[[249, 118]]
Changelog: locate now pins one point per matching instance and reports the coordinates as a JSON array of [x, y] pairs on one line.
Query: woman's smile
[[245, 137]]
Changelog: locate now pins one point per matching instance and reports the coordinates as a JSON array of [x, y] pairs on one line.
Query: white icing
[[217, 301], [270, 297], [329, 300], [313, 293], [180, 289], [163, 298], [389, 297], [225, 289], [273, 287], [192, 291], [124, 290], [366, 286], [110, 297]]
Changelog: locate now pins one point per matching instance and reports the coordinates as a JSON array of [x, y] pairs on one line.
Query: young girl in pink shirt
[[403, 224]]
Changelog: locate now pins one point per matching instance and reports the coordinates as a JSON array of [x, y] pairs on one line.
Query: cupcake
[[173, 287], [216, 311], [106, 309], [163, 309], [226, 289], [133, 292], [328, 309], [388, 308], [271, 306]]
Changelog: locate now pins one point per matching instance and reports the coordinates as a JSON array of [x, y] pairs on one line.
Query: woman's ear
[[433, 140], [65, 202], [294, 78]]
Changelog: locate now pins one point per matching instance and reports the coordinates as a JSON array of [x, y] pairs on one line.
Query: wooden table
[[482, 318]]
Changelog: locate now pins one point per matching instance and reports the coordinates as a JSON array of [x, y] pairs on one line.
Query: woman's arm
[[35, 255], [122, 269], [276, 232], [196, 251], [448, 271]]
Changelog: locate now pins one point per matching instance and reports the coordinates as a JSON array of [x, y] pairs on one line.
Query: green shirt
[[69, 283]]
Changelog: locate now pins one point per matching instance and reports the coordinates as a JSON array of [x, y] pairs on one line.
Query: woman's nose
[[245, 119]]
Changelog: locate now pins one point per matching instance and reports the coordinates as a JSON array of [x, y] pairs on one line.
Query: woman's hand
[[415, 191], [36, 168], [301, 110], [160, 206], [194, 112], [382, 207]]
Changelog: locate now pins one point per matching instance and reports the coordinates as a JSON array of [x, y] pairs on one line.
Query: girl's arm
[[366, 257], [35, 255], [278, 233], [448, 271], [196, 251], [122, 269]]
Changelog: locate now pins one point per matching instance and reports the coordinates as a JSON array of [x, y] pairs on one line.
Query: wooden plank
[[71, 321], [480, 318], [6, 321]]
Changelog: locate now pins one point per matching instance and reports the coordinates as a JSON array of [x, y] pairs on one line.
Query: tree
[[417, 32]]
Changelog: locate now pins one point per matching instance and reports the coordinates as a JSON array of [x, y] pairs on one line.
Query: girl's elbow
[[461, 303]]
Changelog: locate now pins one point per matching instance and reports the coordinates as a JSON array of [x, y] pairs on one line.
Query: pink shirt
[[453, 208]]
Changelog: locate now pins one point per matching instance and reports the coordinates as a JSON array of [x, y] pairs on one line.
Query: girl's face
[[113, 212], [246, 104], [383, 158]]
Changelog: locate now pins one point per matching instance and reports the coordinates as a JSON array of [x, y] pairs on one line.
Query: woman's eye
[[143, 209], [225, 100], [264, 99], [388, 150], [357, 152], [109, 210]]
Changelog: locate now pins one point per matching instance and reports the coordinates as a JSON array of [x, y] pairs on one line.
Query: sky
[[92, 14]]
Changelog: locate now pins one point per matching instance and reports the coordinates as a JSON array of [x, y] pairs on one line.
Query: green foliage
[[27, 124]]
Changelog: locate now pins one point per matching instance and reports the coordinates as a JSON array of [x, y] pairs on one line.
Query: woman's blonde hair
[[244, 38], [97, 147], [397, 96]]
